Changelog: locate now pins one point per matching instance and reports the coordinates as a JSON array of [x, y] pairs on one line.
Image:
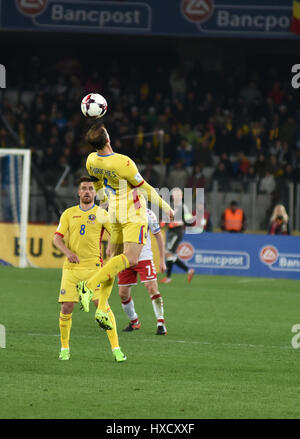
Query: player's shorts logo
[[269, 254], [197, 11], [185, 251], [92, 217], [31, 7], [62, 291]]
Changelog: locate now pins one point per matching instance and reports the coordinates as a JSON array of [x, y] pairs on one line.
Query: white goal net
[[14, 205]]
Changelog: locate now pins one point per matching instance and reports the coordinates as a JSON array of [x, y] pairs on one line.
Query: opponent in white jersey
[[146, 269]]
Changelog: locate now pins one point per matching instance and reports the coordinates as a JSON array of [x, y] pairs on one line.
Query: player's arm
[[153, 197], [161, 249], [130, 173], [58, 240], [155, 229]]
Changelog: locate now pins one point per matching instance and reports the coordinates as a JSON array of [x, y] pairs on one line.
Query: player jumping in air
[[146, 269], [119, 176], [182, 217], [84, 224]]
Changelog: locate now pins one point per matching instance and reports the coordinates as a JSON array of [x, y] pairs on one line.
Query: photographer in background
[[279, 221]]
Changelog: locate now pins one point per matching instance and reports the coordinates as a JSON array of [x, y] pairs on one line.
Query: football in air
[[94, 106]]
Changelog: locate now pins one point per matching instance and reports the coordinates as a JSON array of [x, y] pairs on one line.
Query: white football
[[94, 105]]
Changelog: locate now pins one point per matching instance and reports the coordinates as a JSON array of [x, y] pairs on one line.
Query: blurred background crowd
[[232, 126]]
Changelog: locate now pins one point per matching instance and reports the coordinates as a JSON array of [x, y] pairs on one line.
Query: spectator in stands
[[185, 153], [177, 83], [279, 223], [260, 166], [233, 219], [197, 179], [249, 178], [250, 92], [267, 183], [288, 132], [222, 177], [276, 94], [178, 176], [151, 176], [274, 166], [94, 83], [241, 166], [204, 153]]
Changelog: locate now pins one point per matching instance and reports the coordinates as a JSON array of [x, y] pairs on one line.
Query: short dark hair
[[84, 178], [97, 135]]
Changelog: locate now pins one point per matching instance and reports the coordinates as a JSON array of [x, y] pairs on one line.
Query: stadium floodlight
[[14, 193]]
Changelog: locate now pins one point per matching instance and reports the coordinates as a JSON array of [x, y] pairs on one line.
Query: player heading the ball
[[119, 176]]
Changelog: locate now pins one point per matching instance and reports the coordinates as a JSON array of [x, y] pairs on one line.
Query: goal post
[[15, 165]]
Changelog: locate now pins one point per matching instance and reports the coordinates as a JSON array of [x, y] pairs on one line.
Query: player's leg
[[127, 301], [147, 272], [133, 236], [158, 306], [171, 246], [65, 324], [68, 297], [184, 267], [170, 259], [113, 335]]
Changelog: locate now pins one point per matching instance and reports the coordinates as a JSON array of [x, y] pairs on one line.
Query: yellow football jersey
[[84, 230], [120, 177], [124, 186]]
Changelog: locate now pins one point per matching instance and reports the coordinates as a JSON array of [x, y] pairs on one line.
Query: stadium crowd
[[244, 126]]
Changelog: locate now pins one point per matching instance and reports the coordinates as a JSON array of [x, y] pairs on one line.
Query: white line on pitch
[[244, 281], [245, 345]]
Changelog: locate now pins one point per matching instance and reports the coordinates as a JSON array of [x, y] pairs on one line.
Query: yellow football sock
[[65, 324], [108, 272], [105, 290], [112, 334]]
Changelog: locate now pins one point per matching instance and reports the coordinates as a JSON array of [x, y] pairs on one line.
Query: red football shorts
[[146, 270]]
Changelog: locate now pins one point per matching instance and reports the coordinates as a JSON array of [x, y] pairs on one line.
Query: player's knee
[[67, 307], [124, 293], [152, 289]]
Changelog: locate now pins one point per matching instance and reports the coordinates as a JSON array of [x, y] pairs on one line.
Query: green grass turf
[[227, 354]]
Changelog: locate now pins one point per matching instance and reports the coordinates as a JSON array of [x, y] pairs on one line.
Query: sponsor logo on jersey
[[269, 254], [76, 216]]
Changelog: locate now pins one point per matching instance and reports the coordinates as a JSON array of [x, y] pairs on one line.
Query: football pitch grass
[[227, 354]]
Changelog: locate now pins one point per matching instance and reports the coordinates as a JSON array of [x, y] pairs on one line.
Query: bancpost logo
[[269, 254], [31, 7], [197, 11], [276, 260], [87, 14], [185, 251], [217, 16]]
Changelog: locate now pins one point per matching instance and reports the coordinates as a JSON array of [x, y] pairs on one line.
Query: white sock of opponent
[[128, 307], [158, 308]]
